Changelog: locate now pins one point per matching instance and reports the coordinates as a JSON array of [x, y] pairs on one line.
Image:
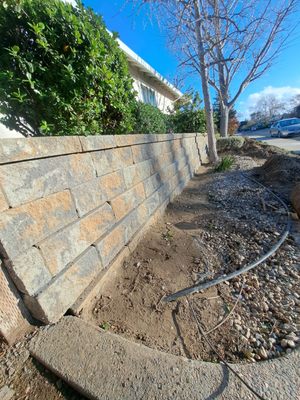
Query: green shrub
[[61, 72], [187, 116], [231, 143], [225, 164], [149, 119]]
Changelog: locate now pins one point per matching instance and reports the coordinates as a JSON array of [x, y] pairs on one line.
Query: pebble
[[291, 344], [263, 353], [6, 393]]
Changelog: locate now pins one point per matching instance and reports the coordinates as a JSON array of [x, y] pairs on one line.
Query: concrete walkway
[[106, 366]]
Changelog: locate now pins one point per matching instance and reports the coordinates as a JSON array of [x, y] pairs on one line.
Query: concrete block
[[137, 173], [142, 152], [113, 242], [64, 246], [147, 208], [135, 240], [163, 137], [30, 180], [51, 304], [14, 316], [112, 160], [203, 149], [40, 147], [126, 202], [3, 202], [29, 271], [97, 142], [92, 194], [164, 194], [161, 162], [169, 171], [151, 184], [130, 140], [94, 288], [24, 226], [189, 135]]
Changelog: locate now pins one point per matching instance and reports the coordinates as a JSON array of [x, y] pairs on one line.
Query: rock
[[284, 343], [292, 336], [6, 393], [289, 328], [263, 353], [291, 344]]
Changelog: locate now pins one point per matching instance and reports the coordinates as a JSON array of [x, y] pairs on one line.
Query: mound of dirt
[[256, 149], [281, 171]]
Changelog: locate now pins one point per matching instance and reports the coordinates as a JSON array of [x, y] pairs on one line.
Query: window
[[148, 96]]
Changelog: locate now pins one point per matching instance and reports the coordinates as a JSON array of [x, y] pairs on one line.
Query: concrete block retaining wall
[[69, 205]]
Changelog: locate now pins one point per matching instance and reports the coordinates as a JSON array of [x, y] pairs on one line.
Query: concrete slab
[[105, 366]]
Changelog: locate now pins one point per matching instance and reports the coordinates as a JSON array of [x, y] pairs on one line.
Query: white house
[[151, 87]]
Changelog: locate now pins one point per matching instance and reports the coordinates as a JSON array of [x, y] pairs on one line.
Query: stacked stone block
[[69, 206]]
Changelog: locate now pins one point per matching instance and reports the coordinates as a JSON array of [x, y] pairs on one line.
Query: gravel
[[248, 221]]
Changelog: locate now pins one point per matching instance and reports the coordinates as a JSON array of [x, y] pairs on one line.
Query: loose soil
[[217, 225], [29, 379]]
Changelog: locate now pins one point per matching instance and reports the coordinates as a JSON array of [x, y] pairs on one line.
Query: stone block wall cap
[[20, 149]]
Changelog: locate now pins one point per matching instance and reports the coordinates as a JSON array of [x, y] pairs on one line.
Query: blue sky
[[149, 42]]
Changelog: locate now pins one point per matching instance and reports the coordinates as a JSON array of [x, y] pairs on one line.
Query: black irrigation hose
[[224, 278], [202, 334]]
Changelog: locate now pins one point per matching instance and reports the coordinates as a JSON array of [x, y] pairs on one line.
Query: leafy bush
[[187, 116], [225, 164], [61, 72], [149, 119], [231, 143]]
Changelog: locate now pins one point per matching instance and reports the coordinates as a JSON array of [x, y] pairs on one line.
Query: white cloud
[[283, 94]]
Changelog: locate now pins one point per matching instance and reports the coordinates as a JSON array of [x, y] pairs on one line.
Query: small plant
[[105, 326], [225, 164], [168, 236], [188, 115]]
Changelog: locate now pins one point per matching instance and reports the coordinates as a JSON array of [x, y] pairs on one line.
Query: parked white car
[[285, 127]]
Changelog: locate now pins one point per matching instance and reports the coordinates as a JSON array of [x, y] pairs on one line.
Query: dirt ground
[[27, 378], [215, 226]]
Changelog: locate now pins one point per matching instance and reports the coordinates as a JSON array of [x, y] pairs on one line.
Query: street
[[290, 144]]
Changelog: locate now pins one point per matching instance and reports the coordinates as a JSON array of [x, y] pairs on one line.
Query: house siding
[[163, 98]]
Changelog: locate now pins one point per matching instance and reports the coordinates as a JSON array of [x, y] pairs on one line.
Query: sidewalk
[[104, 366]]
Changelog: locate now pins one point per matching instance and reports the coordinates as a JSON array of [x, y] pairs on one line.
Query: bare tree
[[268, 107], [226, 42], [183, 22], [244, 40]]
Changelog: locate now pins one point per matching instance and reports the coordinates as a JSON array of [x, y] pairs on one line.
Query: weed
[[105, 326], [168, 236], [225, 164]]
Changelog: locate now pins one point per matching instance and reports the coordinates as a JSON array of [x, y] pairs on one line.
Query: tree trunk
[[224, 120], [212, 148]]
